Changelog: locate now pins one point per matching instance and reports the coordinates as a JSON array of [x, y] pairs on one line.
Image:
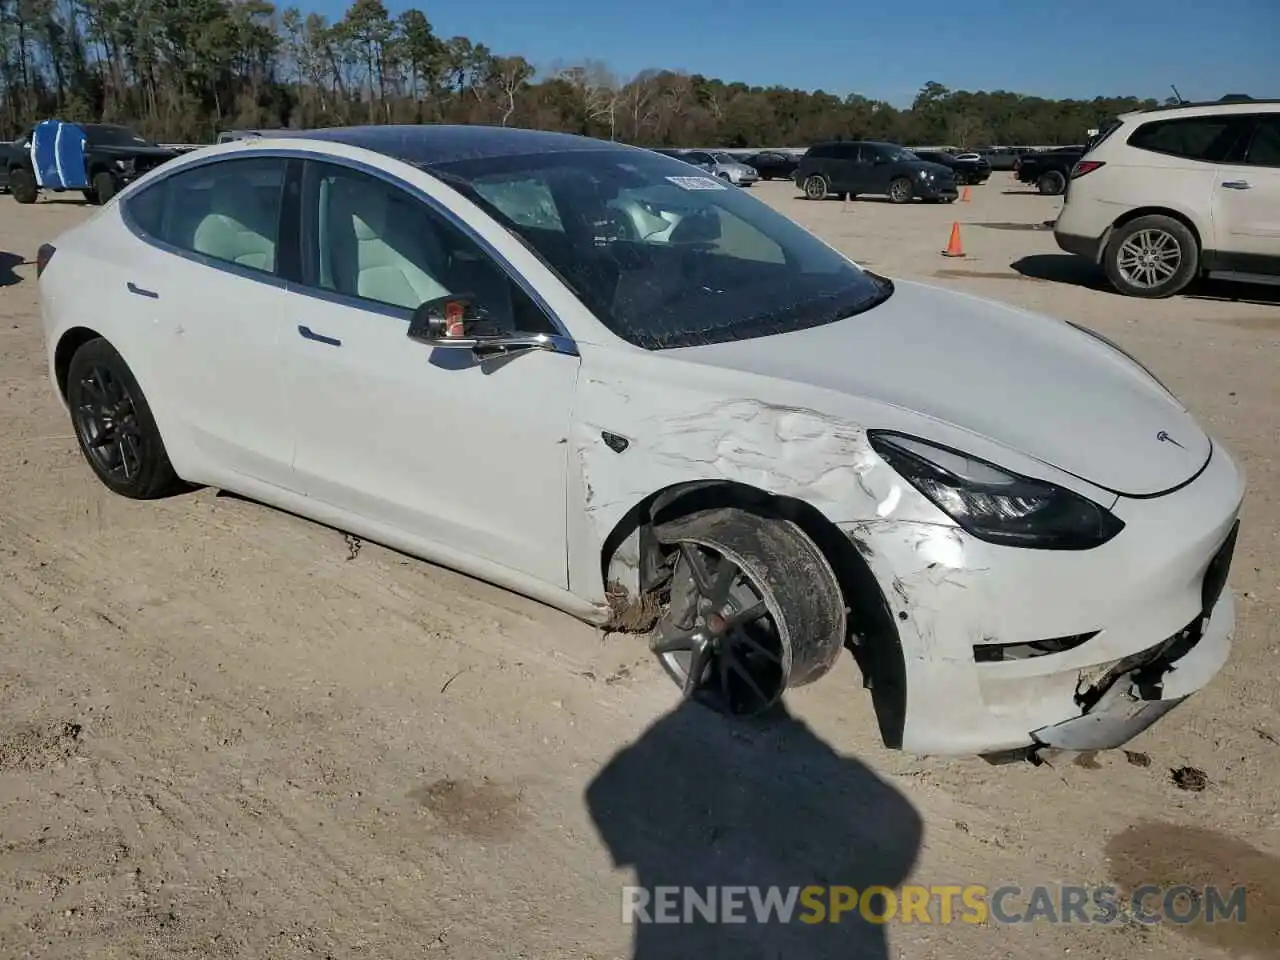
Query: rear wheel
[[1154, 256], [23, 186], [1051, 183], [815, 187], [900, 190], [114, 424], [754, 608], [105, 186]]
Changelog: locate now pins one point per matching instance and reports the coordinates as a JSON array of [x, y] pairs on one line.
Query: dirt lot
[[228, 732]]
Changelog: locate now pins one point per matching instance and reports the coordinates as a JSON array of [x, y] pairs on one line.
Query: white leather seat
[[376, 243], [239, 227]]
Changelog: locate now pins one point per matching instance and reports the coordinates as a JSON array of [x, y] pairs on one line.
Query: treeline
[[180, 70]]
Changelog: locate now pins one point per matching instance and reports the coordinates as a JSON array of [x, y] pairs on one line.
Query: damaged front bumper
[[1133, 696], [1001, 649]]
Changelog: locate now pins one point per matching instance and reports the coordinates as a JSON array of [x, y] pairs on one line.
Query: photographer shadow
[[701, 802]]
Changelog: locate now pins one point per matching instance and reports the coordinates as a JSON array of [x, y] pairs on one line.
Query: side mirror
[[701, 226], [455, 321]]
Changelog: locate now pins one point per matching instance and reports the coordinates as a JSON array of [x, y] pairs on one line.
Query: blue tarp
[[57, 155]]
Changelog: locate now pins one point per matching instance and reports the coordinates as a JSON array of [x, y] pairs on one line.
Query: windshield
[[724, 158], [663, 255], [110, 135]]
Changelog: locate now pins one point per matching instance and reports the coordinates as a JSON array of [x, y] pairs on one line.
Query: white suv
[[1164, 196]]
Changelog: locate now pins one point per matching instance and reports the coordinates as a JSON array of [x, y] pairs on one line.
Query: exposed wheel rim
[[107, 424], [721, 638], [899, 190], [815, 188], [1149, 258]]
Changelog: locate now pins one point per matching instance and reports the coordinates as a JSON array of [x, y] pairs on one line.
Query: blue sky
[[887, 50]]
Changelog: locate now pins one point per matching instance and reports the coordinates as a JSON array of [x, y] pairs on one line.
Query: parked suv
[[848, 168], [1167, 195]]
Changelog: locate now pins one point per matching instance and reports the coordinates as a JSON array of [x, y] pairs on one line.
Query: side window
[[819, 152], [1264, 149], [228, 210], [1193, 138], [365, 237]]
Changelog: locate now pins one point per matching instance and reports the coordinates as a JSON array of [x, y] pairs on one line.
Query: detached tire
[[1051, 183], [816, 187], [754, 608], [1152, 257], [114, 425], [22, 184]]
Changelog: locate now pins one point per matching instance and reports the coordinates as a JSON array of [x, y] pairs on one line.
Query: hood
[[1030, 383]]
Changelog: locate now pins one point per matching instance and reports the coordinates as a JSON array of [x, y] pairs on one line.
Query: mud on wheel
[[754, 608]]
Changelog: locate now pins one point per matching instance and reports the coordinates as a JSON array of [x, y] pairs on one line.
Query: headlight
[[993, 504]]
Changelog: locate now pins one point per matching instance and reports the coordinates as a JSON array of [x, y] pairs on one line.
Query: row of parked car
[[850, 168]]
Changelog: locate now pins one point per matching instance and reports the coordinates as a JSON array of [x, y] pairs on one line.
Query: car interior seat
[[375, 244], [240, 224]]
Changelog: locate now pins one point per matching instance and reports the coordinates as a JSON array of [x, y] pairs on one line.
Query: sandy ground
[[229, 732]]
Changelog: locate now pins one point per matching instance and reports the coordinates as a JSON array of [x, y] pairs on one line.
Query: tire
[[1151, 257], [771, 567], [900, 190], [136, 465], [23, 186], [90, 196], [815, 187], [105, 186], [1051, 183]]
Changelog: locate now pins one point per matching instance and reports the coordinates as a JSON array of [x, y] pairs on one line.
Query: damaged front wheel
[[754, 608]]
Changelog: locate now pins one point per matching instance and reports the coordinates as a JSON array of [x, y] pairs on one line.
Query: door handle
[[1237, 184], [139, 291], [310, 334]]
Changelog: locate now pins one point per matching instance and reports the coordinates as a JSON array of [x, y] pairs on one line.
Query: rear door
[[1247, 202], [210, 274], [1175, 162]]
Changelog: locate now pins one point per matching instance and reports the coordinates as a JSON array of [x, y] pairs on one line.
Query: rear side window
[[228, 210], [1264, 148], [1192, 138]]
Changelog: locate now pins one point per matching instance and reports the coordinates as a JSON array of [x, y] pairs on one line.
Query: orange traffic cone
[[954, 249], [964, 195]]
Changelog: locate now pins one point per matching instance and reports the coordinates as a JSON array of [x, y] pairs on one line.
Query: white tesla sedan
[[590, 374]]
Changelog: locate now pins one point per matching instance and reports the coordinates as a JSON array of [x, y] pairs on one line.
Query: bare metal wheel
[[1152, 256], [114, 424], [754, 608], [900, 190], [815, 187], [1149, 257]]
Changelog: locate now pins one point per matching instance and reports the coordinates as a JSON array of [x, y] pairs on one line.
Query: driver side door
[[469, 456]]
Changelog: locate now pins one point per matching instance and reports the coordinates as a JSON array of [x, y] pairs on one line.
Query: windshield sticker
[[697, 183]]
